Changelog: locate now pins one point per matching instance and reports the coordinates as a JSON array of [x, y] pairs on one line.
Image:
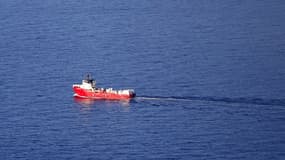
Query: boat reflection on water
[[86, 102]]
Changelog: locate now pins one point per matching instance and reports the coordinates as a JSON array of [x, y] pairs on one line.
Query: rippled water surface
[[209, 77]]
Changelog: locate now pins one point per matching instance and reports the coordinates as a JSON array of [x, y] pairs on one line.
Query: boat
[[89, 90]]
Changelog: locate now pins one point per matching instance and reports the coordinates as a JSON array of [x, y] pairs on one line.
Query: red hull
[[99, 94]]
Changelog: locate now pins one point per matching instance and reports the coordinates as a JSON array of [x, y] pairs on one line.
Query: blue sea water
[[209, 78]]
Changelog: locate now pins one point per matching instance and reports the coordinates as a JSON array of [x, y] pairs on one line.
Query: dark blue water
[[209, 76]]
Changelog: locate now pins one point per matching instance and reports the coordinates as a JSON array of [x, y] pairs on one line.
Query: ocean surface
[[209, 77]]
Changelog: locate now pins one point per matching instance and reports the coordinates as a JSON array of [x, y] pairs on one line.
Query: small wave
[[244, 100]]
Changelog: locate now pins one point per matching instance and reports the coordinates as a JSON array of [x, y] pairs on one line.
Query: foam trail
[[242, 100], [163, 98]]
